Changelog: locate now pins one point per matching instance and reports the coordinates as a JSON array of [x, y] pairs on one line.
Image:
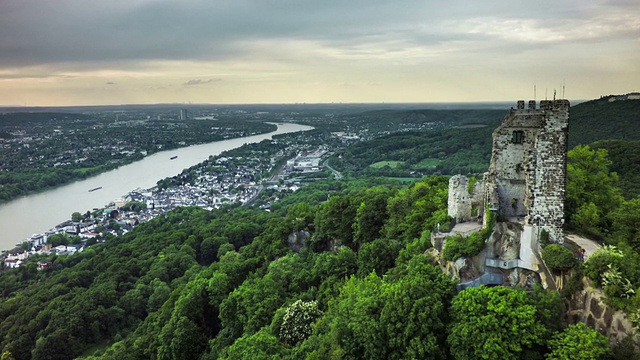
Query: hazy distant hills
[[34, 118]]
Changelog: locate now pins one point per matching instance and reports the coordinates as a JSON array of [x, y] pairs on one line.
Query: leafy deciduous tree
[[259, 346], [591, 190], [558, 258], [493, 323], [579, 342]]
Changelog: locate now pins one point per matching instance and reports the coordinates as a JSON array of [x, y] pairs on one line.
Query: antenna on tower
[[563, 82], [545, 93], [554, 94]]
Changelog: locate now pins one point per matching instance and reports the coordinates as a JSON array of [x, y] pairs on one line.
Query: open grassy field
[[391, 164], [404, 179], [428, 163]]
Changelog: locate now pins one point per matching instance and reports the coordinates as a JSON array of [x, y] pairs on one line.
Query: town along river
[[40, 212]]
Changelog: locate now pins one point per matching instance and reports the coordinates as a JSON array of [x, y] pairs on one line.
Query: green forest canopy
[[223, 284]]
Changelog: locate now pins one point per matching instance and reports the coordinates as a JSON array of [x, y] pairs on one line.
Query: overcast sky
[[80, 52]]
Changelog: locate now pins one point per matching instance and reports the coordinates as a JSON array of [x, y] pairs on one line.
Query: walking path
[[588, 245], [465, 228]]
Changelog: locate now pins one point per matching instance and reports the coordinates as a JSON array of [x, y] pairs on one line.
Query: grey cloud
[[200, 82], [99, 33]]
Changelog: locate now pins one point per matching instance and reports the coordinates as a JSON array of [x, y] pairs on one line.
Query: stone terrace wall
[[588, 306]]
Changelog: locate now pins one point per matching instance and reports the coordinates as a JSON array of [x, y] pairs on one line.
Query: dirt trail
[[588, 245]]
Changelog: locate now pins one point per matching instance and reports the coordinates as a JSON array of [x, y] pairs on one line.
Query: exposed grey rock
[[297, 239]]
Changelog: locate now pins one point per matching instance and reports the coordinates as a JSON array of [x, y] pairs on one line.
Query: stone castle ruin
[[525, 187], [525, 190], [526, 180]]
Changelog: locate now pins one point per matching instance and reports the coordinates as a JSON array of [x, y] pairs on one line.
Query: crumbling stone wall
[[512, 161], [461, 201]]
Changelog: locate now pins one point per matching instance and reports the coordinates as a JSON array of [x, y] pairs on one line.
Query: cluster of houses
[[37, 244], [21, 140], [629, 96], [233, 181]]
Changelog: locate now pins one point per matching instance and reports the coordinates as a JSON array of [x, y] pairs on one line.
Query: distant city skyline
[[76, 52]]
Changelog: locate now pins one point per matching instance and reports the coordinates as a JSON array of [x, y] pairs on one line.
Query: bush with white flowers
[[296, 323]]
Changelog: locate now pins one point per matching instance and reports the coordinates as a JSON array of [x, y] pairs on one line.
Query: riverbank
[[234, 184], [80, 164], [37, 213]]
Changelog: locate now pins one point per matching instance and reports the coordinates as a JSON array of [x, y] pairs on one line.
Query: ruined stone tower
[[466, 202], [526, 180]]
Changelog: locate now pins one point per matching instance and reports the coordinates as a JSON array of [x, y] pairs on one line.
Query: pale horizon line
[[292, 103]]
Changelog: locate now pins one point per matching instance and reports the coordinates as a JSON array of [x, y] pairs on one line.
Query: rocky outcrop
[[297, 239], [463, 269], [588, 306], [497, 264], [504, 242]]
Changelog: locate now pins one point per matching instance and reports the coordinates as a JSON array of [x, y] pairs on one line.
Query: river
[[39, 212]]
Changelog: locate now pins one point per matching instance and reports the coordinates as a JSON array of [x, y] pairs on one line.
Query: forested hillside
[[625, 161], [432, 152], [227, 284], [596, 208], [603, 120]]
